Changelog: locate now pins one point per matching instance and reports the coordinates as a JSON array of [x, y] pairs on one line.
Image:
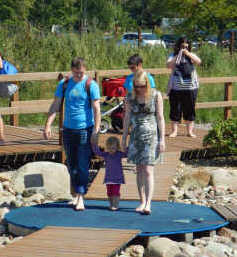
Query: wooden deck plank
[[225, 212], [163, 181], [70, 242], [24, 140]]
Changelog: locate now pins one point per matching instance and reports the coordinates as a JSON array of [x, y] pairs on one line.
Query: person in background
[[144, 112], [135, 64], [6, 89], [81, 125], [113, 169], [183, 86]]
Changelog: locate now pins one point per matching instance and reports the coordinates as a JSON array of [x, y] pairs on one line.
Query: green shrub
[[223, 136]]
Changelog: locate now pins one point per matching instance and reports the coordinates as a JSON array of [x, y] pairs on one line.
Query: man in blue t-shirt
[[135, 64], [81, 125]]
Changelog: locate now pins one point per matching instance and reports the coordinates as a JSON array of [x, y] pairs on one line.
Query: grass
[[34, 51]]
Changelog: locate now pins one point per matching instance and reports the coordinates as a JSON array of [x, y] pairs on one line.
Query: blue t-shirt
[[128, 84], [8, 68], [78, 110]]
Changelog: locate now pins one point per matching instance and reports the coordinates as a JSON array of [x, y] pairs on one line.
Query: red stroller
[[114, 91]]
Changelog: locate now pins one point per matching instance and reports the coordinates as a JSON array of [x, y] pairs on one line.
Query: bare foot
[[112, 208], [140, 208], [192, 135], [173, 134], [73, 201], [147, 210], [80, 204]]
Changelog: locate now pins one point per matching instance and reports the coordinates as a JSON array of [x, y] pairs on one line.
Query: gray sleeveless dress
[[144, 136]]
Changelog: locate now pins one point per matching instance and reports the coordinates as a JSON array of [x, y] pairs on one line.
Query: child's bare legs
[[141, 188], [190, 127], [2, 137], [113, 192], [174, 128], [110, 198], [116, 202]]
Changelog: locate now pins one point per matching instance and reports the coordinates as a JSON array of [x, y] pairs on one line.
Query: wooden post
[[14, 121], [97, 78], [232, 42], [228, 97], [61, 118], [139, 37]]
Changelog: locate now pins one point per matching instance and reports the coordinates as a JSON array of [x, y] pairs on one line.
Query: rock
[[7, 199], [229, 233], [17, 203], [6, 176], [48, 176], [162, 247], [3, 212], [190, 250], [218, 250], [134, 251], [198, 178], [37, 198], [224, 178]]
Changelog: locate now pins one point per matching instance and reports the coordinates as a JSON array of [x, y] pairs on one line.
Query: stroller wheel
[[104, 126]]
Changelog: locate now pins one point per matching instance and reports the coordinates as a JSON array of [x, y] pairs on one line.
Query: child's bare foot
[[112, 208], [140, 208]]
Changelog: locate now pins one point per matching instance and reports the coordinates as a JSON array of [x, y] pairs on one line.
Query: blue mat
[[166, 218]]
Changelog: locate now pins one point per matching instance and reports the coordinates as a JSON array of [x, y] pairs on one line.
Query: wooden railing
[[38, 106]]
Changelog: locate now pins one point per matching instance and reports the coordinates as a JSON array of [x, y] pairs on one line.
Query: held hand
[[124, 145], [162, 146], [94, 138], [47, 133]]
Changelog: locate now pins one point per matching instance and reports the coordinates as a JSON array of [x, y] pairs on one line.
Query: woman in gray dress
[[144, 113]]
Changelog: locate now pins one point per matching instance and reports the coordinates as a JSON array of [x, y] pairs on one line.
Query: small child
[[113, 169]]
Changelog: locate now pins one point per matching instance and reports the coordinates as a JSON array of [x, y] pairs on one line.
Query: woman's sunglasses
[[137, 87]]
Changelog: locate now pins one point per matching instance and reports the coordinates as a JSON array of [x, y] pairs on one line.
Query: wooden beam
[[207, 105], [42, 76], [24, 107], [216, 80]]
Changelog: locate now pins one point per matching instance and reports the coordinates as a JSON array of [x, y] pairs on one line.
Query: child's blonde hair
[[141, 77], [113, 141]]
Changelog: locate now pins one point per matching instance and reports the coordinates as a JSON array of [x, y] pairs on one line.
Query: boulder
[[162, 247], [197, 178], [224, 178], [48, 177]]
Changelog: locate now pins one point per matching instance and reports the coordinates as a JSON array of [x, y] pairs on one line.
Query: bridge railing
[[38, 106]]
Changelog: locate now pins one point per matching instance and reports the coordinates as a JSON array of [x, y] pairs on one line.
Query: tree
[[12, 11], [48, 12], [212, 16]]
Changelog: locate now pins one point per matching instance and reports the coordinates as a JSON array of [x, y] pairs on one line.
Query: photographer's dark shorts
[[182, 104]]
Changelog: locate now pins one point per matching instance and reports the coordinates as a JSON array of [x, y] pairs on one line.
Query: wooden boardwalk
[[163, 179], [70, 242], [163, 172], [23, 140]]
